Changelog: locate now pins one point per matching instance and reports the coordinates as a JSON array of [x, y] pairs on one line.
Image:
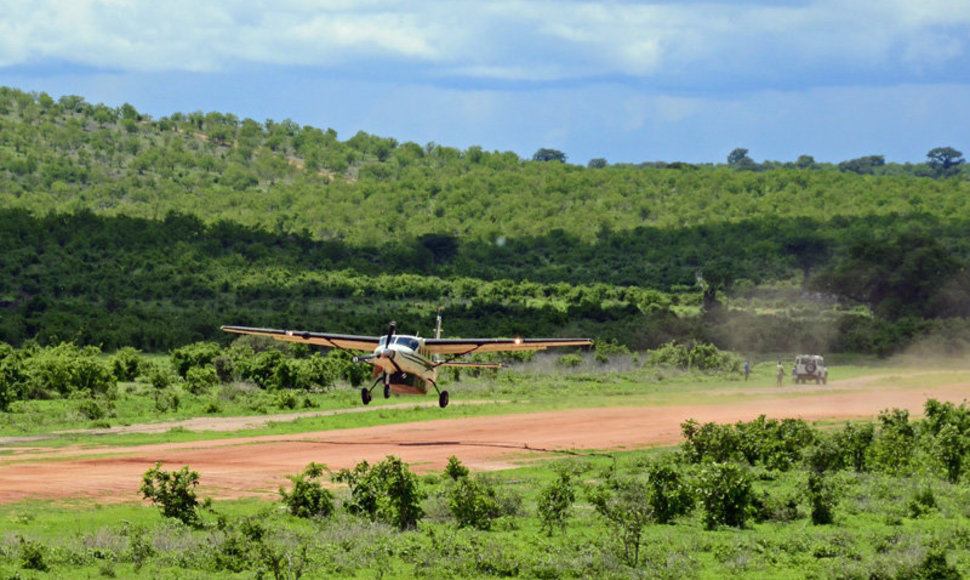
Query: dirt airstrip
[[257, 466]]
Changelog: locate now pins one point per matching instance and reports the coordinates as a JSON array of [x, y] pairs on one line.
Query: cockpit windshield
[[408, 341]]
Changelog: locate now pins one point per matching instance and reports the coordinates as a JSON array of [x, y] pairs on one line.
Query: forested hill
[[252, 196]]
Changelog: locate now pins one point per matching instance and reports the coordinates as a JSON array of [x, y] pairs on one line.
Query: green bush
[[622, 503], [13, 376], [855, 440], [33, 556], [126, 364], [569, 360], [195, 355], [669, 494], [554, 503], [699, 356], [173, 492], [710, 441], [66, 368], [725, 493], [473, 503], [455, 470], [892, 450], [199, 380], [821, 494], [386, 492], [308, 498]]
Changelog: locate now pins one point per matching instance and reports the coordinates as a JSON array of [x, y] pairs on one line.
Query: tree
[[738, 158], [944, 161], [549, 155], [896, 278], [808, 249], [597, 163], [863, 165]]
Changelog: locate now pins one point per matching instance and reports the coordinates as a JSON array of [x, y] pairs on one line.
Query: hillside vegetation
[[122, 230]]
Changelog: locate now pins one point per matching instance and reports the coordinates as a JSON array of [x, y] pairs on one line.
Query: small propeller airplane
[[407, 364]]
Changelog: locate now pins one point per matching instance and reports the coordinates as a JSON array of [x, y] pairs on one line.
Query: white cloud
[[685, 44]]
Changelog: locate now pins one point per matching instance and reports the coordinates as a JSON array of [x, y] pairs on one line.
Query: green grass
[[875, 534]]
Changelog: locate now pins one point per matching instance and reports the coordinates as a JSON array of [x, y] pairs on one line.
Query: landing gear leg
[[442, 395], [365, 396], [387, 390]]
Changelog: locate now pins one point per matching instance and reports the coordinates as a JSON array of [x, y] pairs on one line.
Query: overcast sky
[[672, 80]]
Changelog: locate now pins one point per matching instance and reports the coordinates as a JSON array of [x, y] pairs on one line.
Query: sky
[[630, 82]]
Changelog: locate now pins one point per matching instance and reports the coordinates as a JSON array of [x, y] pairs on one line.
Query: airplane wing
[[461, 346], [343, 341]]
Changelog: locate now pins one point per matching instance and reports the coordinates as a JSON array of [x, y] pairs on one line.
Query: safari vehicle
[[810, 367]]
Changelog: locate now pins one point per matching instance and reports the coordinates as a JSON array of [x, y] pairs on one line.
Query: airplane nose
[[387, 353]]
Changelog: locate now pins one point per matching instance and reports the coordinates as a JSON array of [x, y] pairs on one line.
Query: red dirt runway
[[257, 466]]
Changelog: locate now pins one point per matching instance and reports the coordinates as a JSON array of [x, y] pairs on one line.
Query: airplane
[[408, 364]]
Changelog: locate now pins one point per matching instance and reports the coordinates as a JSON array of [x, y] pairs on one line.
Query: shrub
[[710, 441], [668, 493], [66, 368], [554, 503], [822, 498], [198, 380], [699, 356], [388, 492], [622, 503], [569, 360], [13, 376], [934, 566], [855, 440], [725, 493], [308, 499], [126, 364], [455, 470], [473, 503], [173, 492], [33, 556], [893, 449], [195, 355], [922, 502], [950, 446]]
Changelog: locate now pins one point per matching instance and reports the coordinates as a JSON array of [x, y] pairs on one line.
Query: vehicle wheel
[[825, 380], [443, 399], [364, 396], [387, 391], [810, 368]]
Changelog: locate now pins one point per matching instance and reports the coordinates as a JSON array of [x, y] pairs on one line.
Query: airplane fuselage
[[408, 365]]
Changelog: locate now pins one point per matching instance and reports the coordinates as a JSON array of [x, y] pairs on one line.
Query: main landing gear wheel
[[387, 391], [365, 396], [443, 399]]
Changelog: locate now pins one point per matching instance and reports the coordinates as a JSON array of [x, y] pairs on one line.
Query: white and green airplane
[[407, 364]]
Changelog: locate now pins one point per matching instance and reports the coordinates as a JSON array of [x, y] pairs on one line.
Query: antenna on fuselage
[[437, 325]]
